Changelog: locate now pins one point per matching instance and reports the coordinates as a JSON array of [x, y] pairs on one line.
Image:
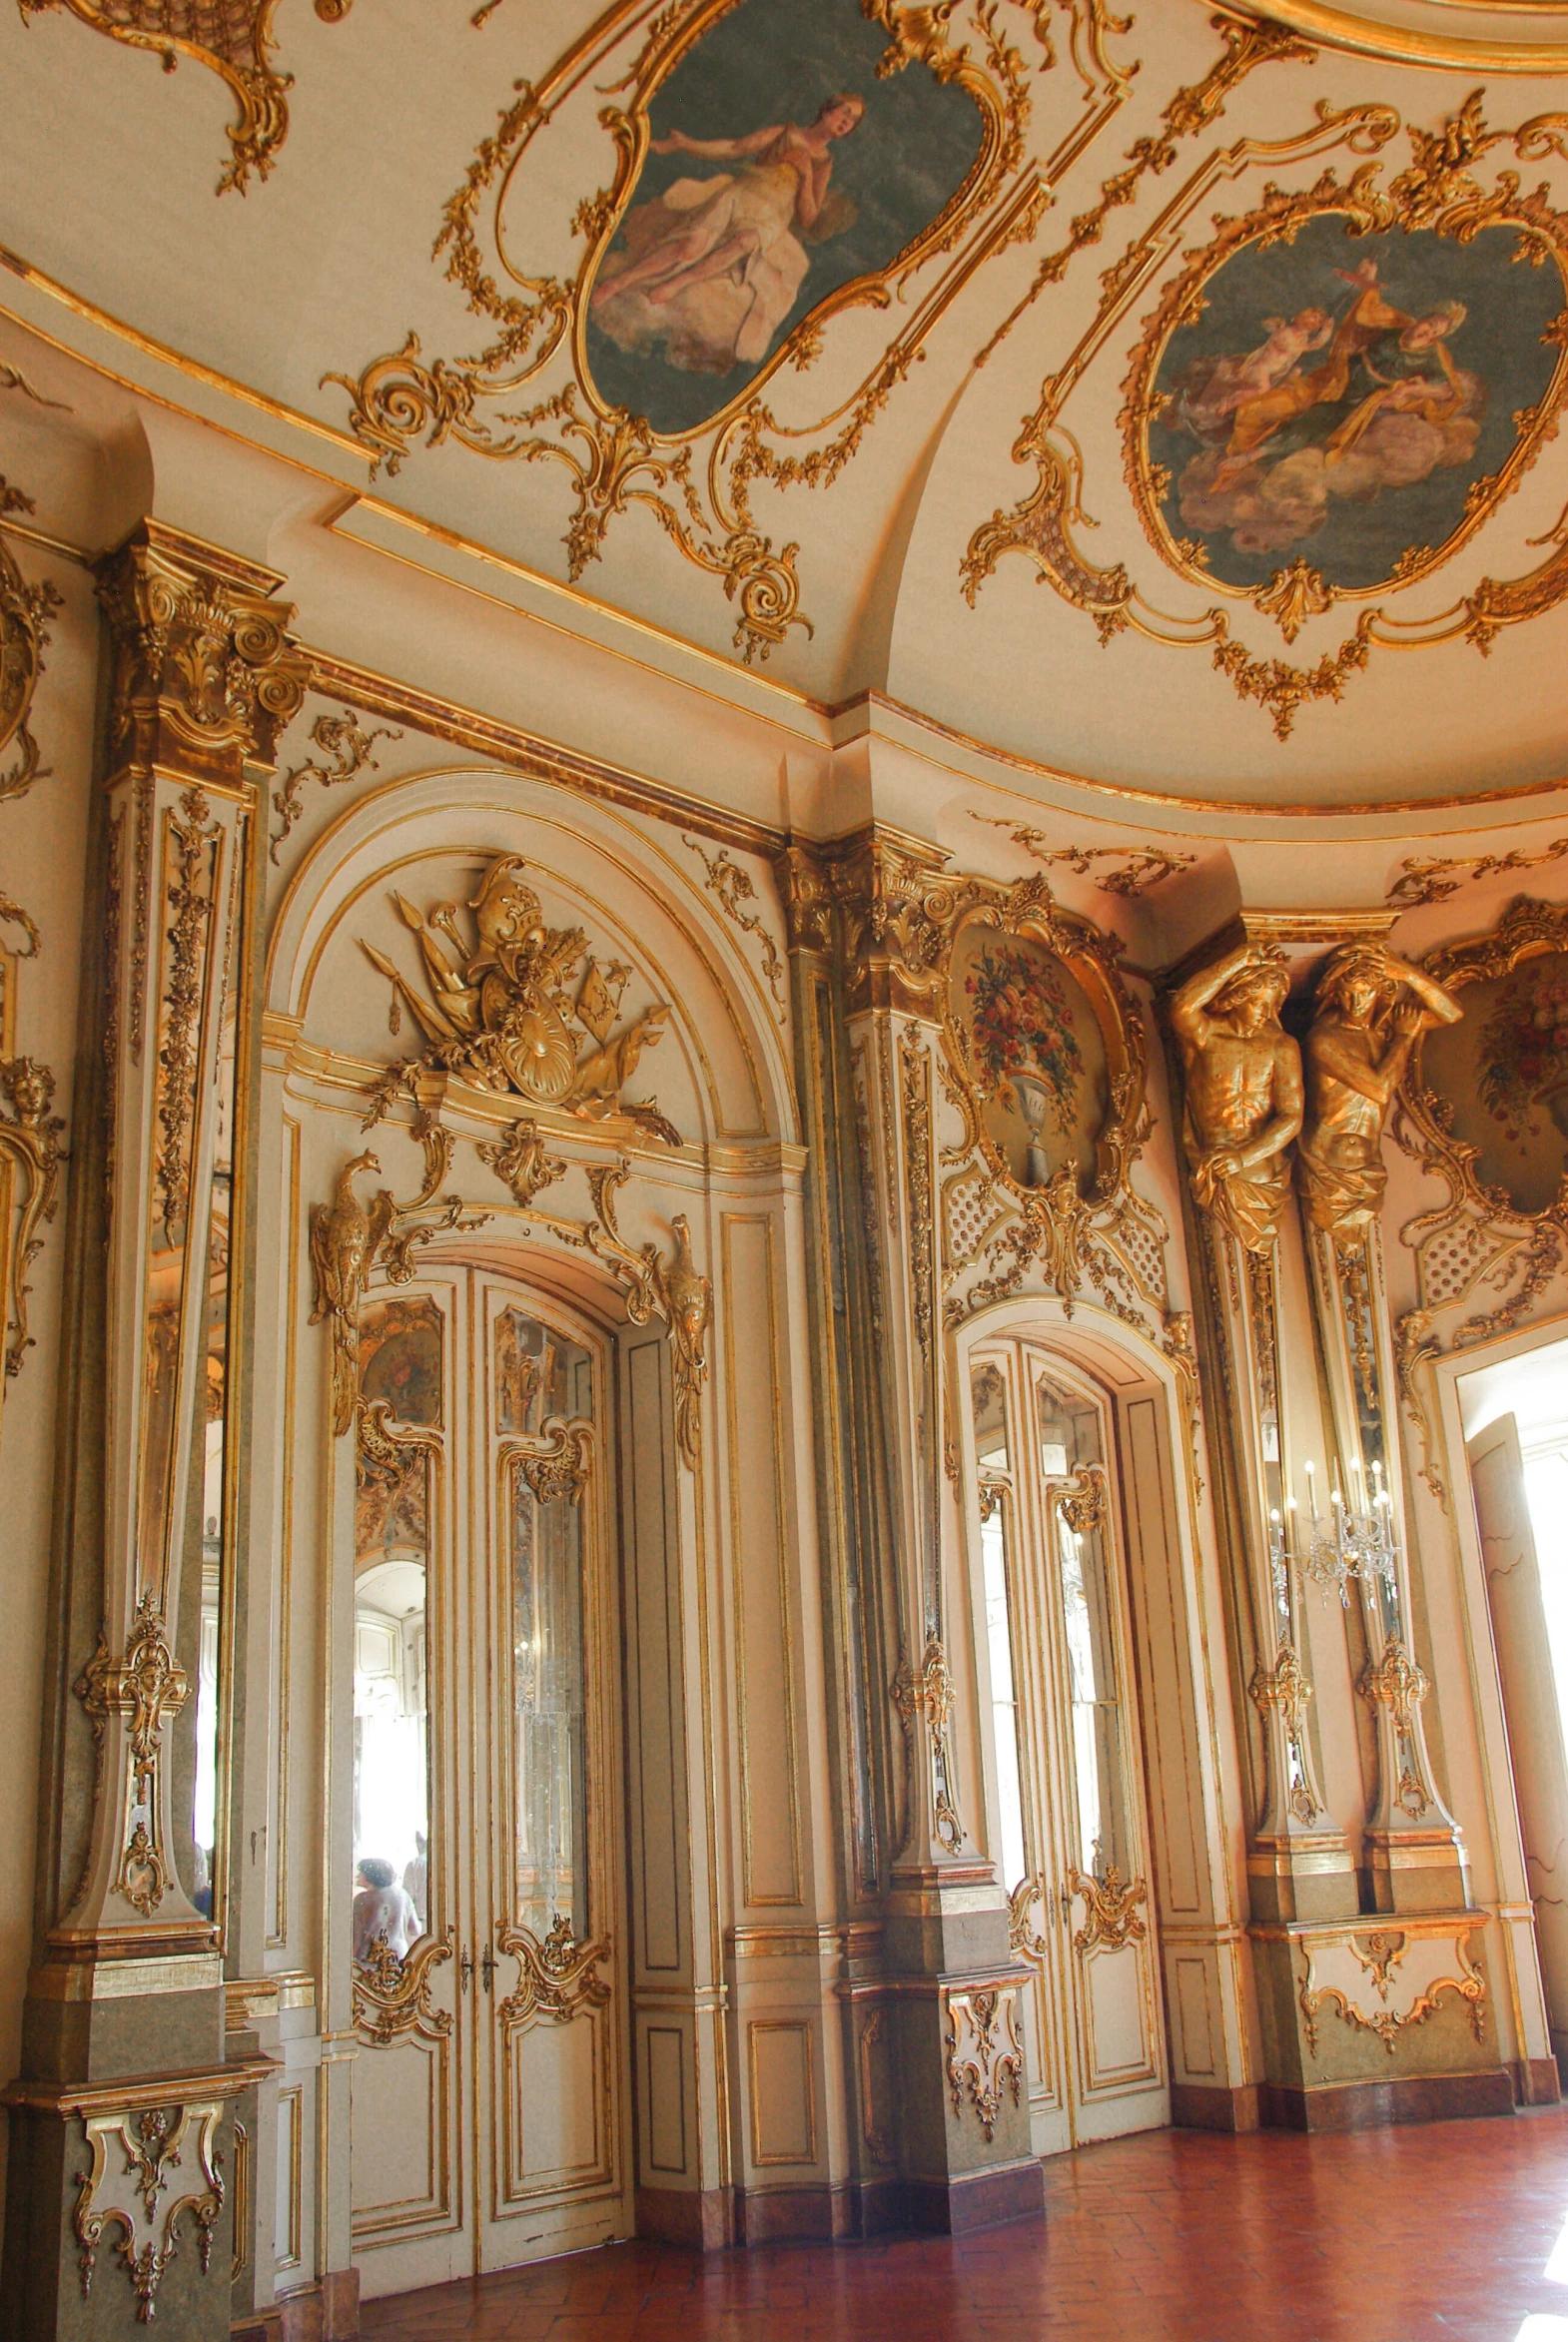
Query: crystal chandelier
[[1354, 1539]]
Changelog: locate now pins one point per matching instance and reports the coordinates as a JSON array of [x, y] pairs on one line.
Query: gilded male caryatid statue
[[1371, 1004], [1244, 1090]]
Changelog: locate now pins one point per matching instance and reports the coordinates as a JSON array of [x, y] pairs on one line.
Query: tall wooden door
[[489, 2085], [1071, 1831]]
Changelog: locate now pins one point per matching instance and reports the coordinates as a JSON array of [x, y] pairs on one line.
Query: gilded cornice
[[205, 675], [1406, 44]]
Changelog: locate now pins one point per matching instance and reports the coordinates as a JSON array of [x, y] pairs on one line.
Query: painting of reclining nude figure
[[780, 168], [1337, 396]]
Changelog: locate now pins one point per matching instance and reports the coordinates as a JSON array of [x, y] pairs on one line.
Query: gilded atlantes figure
[[1371, 1004], [1244, 1090]]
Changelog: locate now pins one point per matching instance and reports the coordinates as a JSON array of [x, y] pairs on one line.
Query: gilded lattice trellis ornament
[[1448, 191], [696, 482]]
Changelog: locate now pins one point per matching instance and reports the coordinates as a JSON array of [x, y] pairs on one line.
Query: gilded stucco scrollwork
[[1438, 192], [1409, 1969], [927, 1691], [1433, 878], [735, 892], [1109, 1910], [557, 1464], [1284, 1689], [345, 751], [345, 1235], [234, 38], [135, 2192], [697, 481], [147, 1687], [29, 1184], [25, 611], [559, 1974], [523, 1161], [985, 2054], [1138, 868]]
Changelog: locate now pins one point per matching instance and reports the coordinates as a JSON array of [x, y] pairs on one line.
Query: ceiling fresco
[[1169, 396]]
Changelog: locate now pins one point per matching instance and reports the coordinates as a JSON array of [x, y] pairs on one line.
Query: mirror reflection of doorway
[[488, 2087], [1515, 1417], [1072, 1846]]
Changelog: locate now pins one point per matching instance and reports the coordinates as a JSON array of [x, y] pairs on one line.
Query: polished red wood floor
[[1445, 2232]]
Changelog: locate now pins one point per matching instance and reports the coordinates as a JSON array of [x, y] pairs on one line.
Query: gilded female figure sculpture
[[1244, 1090], [1371, 1004]]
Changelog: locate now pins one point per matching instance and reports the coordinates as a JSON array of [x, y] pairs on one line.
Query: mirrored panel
[[399, 1366], [541, 1377], [1071, 1463]]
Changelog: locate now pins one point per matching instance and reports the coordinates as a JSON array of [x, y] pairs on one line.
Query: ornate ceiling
[[1170, 398]]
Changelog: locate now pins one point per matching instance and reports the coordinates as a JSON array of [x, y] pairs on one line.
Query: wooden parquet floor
[[1444, 2232]]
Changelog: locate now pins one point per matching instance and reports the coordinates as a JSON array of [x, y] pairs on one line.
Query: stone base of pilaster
[[328, 2311], [1311, 1876], [1417, 1871], [120, 2194], [1377, 2020]]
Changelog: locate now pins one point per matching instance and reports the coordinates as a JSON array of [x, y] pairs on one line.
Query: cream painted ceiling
[[967, 521]]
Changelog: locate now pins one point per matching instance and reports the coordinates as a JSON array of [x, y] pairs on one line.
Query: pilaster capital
[[204, 673], [897, 909]]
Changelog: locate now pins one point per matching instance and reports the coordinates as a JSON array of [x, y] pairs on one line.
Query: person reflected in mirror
[[384, 1910]]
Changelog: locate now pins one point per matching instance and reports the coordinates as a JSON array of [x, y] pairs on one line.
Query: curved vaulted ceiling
[[1169, 397]]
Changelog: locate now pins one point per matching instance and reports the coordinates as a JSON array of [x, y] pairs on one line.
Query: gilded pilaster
[[124, 2023]]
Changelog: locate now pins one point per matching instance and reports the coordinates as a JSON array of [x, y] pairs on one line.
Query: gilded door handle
[[464, 1971], [488, 1970]]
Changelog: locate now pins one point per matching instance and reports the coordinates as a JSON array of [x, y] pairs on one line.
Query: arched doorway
[[489, 2089], [1070, 1834]]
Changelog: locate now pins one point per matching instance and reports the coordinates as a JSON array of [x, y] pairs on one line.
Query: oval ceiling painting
[[1356, 402], [780, 171]]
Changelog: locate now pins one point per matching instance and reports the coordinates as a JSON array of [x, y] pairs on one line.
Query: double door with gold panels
[[1071, 1832], [488, 2079]]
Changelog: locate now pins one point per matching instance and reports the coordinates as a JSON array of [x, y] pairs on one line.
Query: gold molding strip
[[541, 759]]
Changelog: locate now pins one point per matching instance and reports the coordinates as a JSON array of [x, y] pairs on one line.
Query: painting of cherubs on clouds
[[1339, 394]]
